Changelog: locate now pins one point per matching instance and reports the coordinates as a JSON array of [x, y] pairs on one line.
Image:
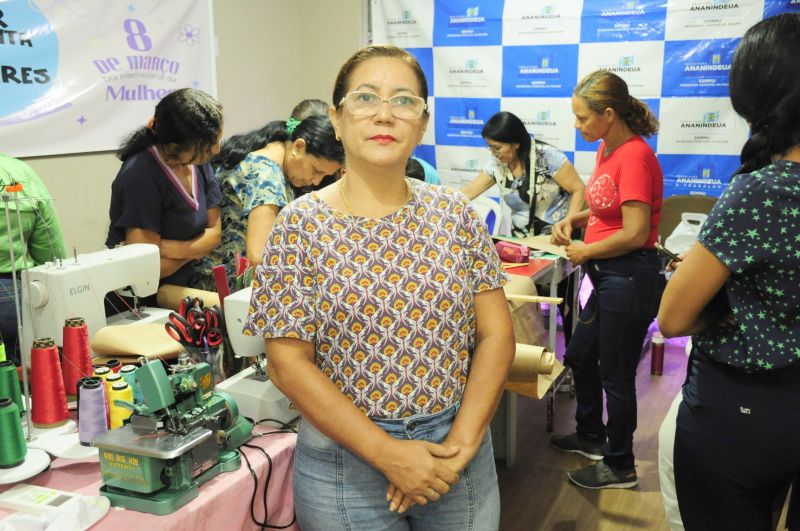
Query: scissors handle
[[178, 333]]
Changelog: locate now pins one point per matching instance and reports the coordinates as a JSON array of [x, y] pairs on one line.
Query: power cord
[[264, 524]]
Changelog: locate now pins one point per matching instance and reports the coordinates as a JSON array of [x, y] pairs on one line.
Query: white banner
[[80, 75], [700, 125]]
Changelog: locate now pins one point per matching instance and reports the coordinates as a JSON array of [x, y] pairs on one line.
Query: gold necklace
[[347, 205]]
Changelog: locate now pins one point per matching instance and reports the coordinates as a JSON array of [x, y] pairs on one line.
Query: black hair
[[508, 128], [317, 131], [414, 169], [310, 107], [765, 91], [184, 119]]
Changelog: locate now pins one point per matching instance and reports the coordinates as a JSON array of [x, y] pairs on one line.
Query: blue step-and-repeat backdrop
[[526, 56]]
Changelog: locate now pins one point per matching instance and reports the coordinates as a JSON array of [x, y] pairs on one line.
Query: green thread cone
[[2, 350], [9, 383], [12, 442]]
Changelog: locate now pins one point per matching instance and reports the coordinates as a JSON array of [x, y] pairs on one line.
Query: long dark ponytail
[[765, 91], [317, 131], [186, 119]]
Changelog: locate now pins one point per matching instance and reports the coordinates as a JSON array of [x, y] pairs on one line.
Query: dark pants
[[605, 348], [8, 318], [737, 446]]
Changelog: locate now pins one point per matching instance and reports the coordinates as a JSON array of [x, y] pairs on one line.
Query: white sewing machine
[[256, 396], [77, 287]]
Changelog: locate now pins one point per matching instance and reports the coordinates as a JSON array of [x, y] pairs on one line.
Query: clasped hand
[[420, 472]]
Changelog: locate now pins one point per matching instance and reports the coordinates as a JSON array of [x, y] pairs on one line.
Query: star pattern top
[[388, 303], [753, 230]]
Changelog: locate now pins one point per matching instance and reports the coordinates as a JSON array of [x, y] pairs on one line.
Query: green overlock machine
[[182, 435]]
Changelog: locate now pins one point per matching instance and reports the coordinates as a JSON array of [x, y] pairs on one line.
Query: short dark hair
[[414, 169], [188, 118], [342, 82], [765, 90]]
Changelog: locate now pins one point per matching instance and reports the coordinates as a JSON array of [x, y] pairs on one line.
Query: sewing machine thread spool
[[12, 442], [76, 355], [114, 365], [102, 372], [2, 350], [128, 373], [47, 385], [92, 409], [119, 391], [9, 383]]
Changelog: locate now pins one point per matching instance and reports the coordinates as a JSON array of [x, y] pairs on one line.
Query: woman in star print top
[[381, 301], [737, 440]]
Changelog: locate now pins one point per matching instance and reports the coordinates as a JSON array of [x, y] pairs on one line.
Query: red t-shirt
[[630, 173]]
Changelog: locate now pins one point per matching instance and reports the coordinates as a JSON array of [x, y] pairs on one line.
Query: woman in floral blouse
[[385, 323]]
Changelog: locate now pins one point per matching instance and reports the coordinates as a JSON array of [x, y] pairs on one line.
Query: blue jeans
[[605, 348], [8, 319], [336, 490]]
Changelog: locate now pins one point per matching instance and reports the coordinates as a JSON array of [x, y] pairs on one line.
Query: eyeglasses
[[402, 106]]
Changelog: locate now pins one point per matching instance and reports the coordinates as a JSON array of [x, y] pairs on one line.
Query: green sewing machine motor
[[181, 436]]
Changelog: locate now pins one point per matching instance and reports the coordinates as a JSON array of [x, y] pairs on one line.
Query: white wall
[[272, 54]]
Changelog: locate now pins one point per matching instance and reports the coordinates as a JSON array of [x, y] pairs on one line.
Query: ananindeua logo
[[714, 5], [625, 9], [698, 181], [710, 121], [406, 18], [470, 67], [625, 64], [546, 12], [542, 119], [472, 16], [468, 119], [714, 65], [470, 166], [542, 68]]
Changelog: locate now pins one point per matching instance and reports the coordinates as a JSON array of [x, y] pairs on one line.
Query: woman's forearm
[[575, 205], [170, 265], [487, 379], [326, 408], [197, 247], [494, 353], [580, 219]]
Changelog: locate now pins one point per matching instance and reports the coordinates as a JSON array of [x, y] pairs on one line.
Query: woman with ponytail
[[165, 192], [258, 172], [624, 196], [738, 428]]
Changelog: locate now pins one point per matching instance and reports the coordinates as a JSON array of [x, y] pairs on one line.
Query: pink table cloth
[[223, 502]]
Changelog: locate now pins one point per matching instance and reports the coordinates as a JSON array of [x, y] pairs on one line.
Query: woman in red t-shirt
[[624, 196]]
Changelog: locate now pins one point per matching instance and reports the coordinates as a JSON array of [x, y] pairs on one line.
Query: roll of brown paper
[[170, 296], [529, 361], [538, 387], [131, 341]]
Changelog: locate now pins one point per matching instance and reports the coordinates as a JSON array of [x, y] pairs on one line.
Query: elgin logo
[[77, 290]]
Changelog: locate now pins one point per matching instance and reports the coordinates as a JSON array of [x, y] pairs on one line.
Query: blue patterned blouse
[[255, 181]]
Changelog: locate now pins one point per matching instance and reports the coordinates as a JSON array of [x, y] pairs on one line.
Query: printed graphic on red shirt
[[603, 194]]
